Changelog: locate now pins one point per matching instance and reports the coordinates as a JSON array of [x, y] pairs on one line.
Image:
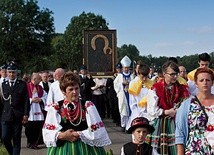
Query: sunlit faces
[[83, 71], [12, 74], [204, 82], [44, 77], [3, 73], [182, 71], [139, 134], [170, 75], [125, 69], [72, 93], [118, 70], [203, 64]]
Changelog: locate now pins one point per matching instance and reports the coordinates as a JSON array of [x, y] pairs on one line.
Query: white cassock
[[122, 101], [54, 95]]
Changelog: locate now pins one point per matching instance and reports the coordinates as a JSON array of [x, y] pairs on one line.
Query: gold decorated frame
[[100, 52]]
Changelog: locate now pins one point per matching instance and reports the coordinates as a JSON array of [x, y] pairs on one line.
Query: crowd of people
[[168, 112]]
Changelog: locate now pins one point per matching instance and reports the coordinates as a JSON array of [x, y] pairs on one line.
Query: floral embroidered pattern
[[89, 104], [55, 105], [49, 126], [197, 143], [96, 126]]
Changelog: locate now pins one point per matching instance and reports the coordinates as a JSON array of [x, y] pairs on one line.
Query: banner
[[100, 52]]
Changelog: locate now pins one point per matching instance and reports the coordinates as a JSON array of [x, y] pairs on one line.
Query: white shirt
[[54, 95], [96, 89], [2, 79]]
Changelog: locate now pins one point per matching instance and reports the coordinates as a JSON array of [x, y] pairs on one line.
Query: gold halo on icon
[[106, 47]]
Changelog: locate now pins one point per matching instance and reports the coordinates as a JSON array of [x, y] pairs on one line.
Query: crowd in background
[[165, 97]]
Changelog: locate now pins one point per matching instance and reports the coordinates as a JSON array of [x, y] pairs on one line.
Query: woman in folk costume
[[138, 90], [164, 98], [36, 118], [72, 126], [121, 84]]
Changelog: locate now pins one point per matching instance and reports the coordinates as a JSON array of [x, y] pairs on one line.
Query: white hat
[[126, 62]]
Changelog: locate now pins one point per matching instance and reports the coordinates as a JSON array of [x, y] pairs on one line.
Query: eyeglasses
[[172, 74]]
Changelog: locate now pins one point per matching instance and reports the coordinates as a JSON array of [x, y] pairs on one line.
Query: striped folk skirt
[[163, 138], [76, 148]]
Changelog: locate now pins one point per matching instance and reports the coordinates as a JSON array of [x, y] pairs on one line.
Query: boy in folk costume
[[140, 127], [138, 89], [121, 84]]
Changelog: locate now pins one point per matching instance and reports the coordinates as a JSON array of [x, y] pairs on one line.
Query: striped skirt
[[163, 138], [76, 148]]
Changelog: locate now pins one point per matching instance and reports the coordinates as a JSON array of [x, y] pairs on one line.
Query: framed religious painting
[[100, 52]]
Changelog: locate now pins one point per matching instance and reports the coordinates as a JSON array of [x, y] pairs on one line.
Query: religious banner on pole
[[100, 52]]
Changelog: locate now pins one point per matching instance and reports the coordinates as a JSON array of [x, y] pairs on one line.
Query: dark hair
[[203, 70], [160, 73], [143, 69], [139, 62], [173, 59], [69, 79], [204, 57], [170, 64]]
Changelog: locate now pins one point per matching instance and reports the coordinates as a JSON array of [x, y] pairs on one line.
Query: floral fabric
[[197, 143]]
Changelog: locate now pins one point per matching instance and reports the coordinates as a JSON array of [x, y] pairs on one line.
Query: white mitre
[[126, 62]]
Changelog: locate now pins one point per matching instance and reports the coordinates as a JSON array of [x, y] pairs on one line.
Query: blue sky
[[156, 27]]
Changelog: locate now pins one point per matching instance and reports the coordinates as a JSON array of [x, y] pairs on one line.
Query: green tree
[[58, 45], [130, 50], [190, 62], [70, 47], [25, 33]]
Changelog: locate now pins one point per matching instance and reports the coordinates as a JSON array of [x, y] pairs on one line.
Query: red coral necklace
[[74, 112]]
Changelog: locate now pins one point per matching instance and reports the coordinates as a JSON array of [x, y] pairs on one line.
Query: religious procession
[[166, 112]]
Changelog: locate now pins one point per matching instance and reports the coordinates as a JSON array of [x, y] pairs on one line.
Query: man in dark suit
[[86, 82], [15, 106]]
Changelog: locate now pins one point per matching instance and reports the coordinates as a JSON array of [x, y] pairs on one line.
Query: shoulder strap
[[202, 107]]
